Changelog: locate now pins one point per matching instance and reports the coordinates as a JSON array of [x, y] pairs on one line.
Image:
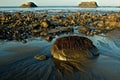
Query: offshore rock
[[73, 48], [28, 4], [91, 4]]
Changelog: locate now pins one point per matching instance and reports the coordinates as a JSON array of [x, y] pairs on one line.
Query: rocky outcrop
[[91, 4], [28, 4], [22, 25], [73, 48]]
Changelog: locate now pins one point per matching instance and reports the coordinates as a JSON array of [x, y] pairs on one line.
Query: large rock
[[91, 4], [28, 4], [73, 48]]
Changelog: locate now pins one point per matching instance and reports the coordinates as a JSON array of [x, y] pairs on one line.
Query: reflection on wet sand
[[104, 67], [75, 70]]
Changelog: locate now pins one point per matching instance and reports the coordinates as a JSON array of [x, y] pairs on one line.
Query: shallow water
[[23, 66]]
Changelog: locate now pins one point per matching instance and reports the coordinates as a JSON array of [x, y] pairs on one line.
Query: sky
[[58, 2]]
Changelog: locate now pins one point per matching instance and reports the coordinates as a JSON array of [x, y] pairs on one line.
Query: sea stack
[[73, 48], [91, 4], [28, 5]]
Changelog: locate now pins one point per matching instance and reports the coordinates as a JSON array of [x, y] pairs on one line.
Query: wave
[[55, 8]]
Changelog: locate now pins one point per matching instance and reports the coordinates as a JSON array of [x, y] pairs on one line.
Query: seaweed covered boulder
[[72, 48], [28, 5]]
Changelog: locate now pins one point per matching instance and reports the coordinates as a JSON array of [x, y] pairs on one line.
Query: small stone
[[48, 38], [84, 30], [44, 24], [24, 41], [100, 24], [40, 57], [43, 33]]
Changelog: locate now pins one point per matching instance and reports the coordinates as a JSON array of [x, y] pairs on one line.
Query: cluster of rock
[[101, 23], [22, 25], [73, 48], [28, 5], [91, 4]]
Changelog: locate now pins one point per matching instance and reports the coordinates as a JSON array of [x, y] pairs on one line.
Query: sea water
[[59, 8]]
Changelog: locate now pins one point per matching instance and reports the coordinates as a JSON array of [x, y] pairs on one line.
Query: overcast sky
[[58, 2]]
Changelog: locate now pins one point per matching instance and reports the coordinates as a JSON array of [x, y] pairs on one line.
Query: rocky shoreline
[[23, 25]]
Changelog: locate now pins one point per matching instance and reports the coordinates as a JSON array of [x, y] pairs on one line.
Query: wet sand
[[13, 51], [17, 53], [25, 67]]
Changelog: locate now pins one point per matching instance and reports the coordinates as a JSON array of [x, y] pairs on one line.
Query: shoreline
[[20, 51]]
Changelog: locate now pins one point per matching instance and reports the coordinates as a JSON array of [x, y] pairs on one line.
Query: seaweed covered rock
[[112, 22], [28, 4], [84, 30], [73, 48], [91, 4]]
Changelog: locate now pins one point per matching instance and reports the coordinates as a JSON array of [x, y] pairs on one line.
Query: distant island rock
[[28, 4], [91, 4]]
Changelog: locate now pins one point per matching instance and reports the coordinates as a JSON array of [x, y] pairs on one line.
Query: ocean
[[59, 8], [17, 59]]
